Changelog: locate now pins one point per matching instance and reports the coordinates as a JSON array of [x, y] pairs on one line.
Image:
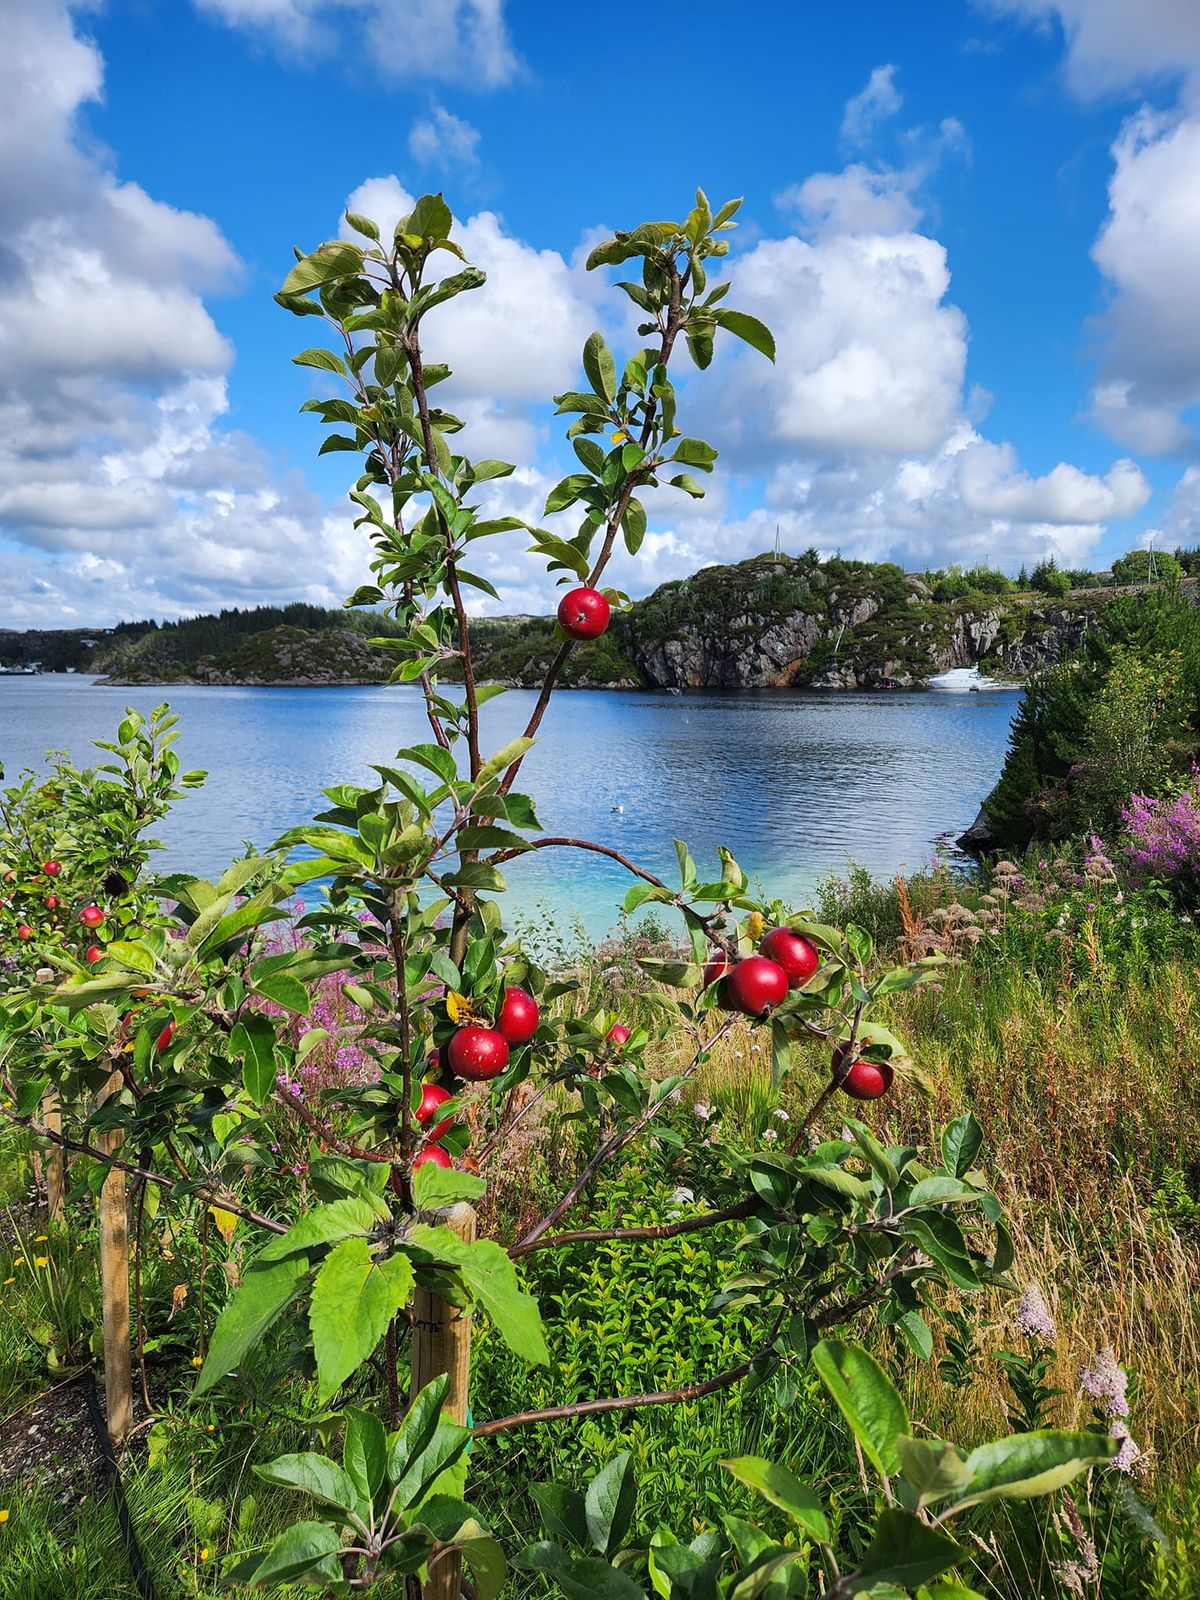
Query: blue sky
[[974, 227]]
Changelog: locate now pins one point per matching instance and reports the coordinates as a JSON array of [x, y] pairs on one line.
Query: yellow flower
[[78, 1248], [41, 1262], [7, 1281], [212, 1427], [41, 1239], [18, 1261], [3, 1516], [197, 1361], [204, 1554]]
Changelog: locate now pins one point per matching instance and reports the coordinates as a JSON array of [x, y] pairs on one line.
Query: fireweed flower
[[1105, 1382], [1033, 1315]]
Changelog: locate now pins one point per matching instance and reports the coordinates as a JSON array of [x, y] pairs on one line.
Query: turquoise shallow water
[[797, 785]]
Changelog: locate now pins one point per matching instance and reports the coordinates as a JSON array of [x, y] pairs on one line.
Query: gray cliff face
[[839, 649]]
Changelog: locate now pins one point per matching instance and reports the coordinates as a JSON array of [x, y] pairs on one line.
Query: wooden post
[[55, 1164], [441, 1342], [114, 1283]]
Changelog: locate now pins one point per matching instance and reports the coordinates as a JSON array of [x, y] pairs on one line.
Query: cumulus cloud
[[447, 41], [121, 490], [875, 103], [440, 139], [1112, 45]]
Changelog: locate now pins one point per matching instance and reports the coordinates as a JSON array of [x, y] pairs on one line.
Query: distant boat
[[674, 691]]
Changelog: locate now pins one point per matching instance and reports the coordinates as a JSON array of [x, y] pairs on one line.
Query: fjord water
[[798, 785]]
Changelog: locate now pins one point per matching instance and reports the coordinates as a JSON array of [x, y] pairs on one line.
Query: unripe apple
[[52, 868], [865, 1080], [795, 954], [433, 1096], [434, 1153], [583, 613], [24, 931], [619, 1035], [92, 954], [91, 916], [756, 986], [52, 902], [163, 1042], [477, 1053], [519, 1017]]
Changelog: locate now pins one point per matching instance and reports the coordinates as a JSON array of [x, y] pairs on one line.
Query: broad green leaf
[[609, 1504], [314, 1475], [444, 1449], [961, 1142], [328, 1224], [748, 328], [327, 263], [906, 1551], [306, 1549], [600, 367], [783, 1489], [633, 525], [1026, 1465], [284, 990], [420, 1424], [866, 1398], [253, 1038], [264, 1293], [563, 1513], [490, 1277], [580, 1578], [354, 1298], [324, 359], [365, 1451], [933, 1468], [434, 1188]]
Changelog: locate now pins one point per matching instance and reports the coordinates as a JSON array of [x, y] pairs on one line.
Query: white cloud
[[1182, 521], [991, 483], [440, 139], [1112, 44], [859, 199], [448, 41], [875, 103]]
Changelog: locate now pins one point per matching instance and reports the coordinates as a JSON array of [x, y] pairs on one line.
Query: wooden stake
[[114, 1283], [55, 1165], [441, 1342]]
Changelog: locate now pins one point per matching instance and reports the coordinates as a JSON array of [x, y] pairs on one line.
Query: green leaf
[[340, 1219], [285, 991], [306, 1549], [354, 1298], [916, 1332], [363, 225], [783, 1489], [585, 1578], [747, 328], [364, 1451], [328, 262], [609, 1504], [490, 1276], [253, 1038], [933, 1468], [566, 492], [314, 1475], [1025, 1465], [961, 1143], [600, 367], [866, 1398], [418, 1428], [906, 1551], [444, 1449], [264, 1293], [325, 359], [564, 1515], [431, 218], [434, 1188], [685, 481], [633, 525]]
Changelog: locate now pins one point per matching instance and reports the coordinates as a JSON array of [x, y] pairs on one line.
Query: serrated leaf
[[354, 1298], [264, 1293]]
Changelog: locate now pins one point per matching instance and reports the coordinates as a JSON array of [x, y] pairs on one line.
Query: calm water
[[796, 784]]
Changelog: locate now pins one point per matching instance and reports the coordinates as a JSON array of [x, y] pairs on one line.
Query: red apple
[[866, 1080], [24, 931], [478, 1053], [795, 954], [619, 1034], [433, 1096], [91, 916], [52, 868], [52, 902], [163, 1042], [92, 954], [519, 1017], [435, 1060], [756, 986], [434, 1153], [715, 968], [583, 614]]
